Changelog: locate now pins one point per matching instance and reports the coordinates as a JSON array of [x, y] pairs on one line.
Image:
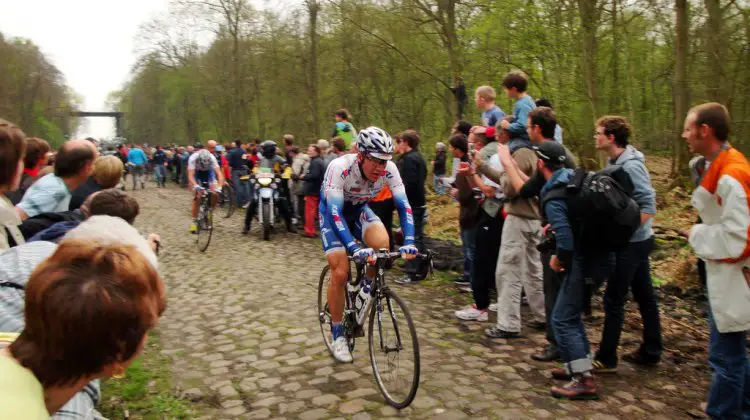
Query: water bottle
[[364, 294]]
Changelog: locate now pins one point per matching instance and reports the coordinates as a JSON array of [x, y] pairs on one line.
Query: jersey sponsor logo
[[409, 216]]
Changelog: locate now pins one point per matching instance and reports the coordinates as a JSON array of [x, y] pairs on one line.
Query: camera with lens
[[548, 243]]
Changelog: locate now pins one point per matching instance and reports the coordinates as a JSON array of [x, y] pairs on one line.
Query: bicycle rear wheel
[[205, 230], [394, 349]]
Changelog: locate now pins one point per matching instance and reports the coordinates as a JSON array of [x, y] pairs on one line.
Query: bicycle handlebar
[[384, 254]]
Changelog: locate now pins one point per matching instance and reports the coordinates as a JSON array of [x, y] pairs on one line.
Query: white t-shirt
[[495, 164]]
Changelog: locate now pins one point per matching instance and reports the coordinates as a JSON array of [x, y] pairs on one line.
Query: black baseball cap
[[551, 152]]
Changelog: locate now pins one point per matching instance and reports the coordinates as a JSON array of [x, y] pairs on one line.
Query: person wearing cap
[[527, 187], [438, 168], [567, 313]]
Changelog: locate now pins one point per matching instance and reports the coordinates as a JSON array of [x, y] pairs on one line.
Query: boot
[[290, 227], [579, 388], [549, 354]]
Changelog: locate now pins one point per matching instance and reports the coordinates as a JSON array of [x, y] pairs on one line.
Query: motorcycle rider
[[269, 159]]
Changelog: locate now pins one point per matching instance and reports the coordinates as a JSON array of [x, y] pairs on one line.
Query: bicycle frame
[[379, 287]]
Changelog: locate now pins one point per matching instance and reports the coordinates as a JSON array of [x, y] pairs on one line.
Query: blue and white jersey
[[345, 193]]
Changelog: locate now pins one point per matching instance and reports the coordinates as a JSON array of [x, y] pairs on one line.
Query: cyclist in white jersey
[[346, 220]]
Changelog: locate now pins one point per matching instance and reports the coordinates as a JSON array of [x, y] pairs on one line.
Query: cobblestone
[[241, 326]]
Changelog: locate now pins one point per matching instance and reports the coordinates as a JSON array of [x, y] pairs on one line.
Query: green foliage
[[33, 93], [392, 64]]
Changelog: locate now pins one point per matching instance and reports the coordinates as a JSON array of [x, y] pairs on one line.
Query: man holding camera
[[566, 316]]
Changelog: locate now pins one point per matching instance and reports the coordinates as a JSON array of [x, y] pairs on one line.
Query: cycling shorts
[[205, 177], [358, 219]]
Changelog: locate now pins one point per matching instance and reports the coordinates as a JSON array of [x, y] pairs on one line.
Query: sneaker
[[471, 313], [461, 281], [600, 367], [341, 351], [407, 279], [549, 354], [194, 227], [579, 388], [493, 307], [246, 205], [496, 332], [537, 325], [637, 358], [465, 289]]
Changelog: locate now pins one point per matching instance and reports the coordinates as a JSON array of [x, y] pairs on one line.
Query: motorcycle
[[266, 196]]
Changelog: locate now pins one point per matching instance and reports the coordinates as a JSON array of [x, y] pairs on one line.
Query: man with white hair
[[324, 147], [16, 266]]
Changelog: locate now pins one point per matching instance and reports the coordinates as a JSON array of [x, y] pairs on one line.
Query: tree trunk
[[313, 7], [716, 50], [681, 94], [589, 13]]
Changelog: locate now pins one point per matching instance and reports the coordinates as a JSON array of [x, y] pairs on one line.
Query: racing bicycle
[[205, 219], [391, 335]]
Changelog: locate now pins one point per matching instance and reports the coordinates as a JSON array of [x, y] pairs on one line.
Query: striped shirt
[[16, 266], [47, 195]]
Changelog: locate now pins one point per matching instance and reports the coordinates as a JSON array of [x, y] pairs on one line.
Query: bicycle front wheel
[[205, 230], [394, 349]]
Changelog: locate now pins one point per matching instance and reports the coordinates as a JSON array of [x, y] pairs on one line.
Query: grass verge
[[146, 391]]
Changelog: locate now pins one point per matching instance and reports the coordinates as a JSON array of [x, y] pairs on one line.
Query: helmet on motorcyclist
[[375, 142], [268, 149]]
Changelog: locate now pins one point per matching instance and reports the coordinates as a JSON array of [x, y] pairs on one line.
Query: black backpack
[[601, 209]]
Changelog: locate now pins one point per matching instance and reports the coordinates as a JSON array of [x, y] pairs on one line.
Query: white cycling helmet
[[375, 142], [203, 161]]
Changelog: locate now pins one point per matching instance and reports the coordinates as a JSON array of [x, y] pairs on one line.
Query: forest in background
[[33, 92], [395, 64]]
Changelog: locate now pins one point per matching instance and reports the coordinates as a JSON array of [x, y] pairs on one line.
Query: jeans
[[137, 173], [570, 332], [412, 267], [468, 245], [729, 395], [300, 210], [438, 183], [632, 272], [489, 232], [242, 188], [161, 175], [552, 283]]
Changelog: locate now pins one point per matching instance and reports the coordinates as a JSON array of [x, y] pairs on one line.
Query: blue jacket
[[521, 111], [556, 214], [137, 157], [55, 232], [634, 163]]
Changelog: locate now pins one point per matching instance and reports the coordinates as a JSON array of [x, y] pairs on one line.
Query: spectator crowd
[[68, 238]]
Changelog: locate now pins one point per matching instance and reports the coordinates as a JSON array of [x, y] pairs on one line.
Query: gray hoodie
[[634, 163]]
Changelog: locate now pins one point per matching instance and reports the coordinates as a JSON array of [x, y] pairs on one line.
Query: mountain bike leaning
[[348, 227]]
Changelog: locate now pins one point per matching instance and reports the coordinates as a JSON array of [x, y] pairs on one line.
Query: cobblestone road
[[242, 335]]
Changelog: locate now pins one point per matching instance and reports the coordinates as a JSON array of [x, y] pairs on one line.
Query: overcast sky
[[90, 42]]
